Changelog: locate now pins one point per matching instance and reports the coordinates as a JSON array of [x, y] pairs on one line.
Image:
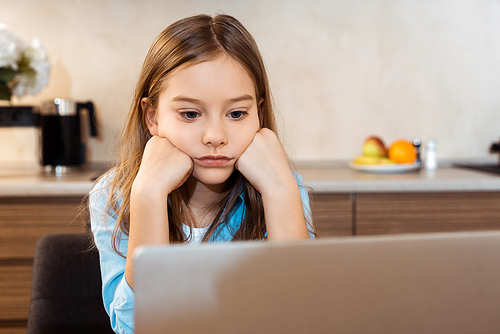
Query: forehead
[[217, 78]]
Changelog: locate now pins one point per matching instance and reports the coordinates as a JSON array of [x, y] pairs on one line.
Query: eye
[[237, 114], [189, 114]]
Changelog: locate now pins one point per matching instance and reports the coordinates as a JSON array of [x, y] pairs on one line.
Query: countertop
[[344, 179], [33, 180], [30, 180]]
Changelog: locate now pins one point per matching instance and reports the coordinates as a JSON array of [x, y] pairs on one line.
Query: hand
[[264, 164], [163, 165]]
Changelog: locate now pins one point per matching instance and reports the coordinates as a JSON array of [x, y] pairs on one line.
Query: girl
[[200, 160]]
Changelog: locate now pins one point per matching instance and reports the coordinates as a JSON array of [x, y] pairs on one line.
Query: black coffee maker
[[61, 141]]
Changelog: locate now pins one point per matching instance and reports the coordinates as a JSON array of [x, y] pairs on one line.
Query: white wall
[[340, 70]]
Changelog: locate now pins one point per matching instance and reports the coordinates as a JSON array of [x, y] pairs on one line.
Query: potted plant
[[24, 68]]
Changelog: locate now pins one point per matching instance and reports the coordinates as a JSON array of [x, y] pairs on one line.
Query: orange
[[402, 151]]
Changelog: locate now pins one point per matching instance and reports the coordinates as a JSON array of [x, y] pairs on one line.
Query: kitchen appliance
[[485, 167], [62, 141]]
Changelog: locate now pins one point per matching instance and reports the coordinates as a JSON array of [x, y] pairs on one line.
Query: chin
[[213, 176]]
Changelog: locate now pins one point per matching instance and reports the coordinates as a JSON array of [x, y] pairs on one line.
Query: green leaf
[[5, 93], [25, 65], [7, 74]]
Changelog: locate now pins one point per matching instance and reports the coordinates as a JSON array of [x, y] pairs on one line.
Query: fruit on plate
[[374, 147], [402, 151], [374, 152], [366, 160]]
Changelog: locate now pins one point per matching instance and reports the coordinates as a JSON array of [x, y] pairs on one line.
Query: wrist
[[150, 191], [146, 185], [281, 192], [284, 214]]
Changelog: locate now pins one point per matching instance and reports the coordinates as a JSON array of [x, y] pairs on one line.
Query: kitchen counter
[[29, 180], [341, 179], [32, 180]]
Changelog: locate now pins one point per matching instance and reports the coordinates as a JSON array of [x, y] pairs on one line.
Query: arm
[[118, 297], [148, 198], [265, 166]]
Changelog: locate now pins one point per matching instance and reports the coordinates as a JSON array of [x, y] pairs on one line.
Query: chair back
[[66, 294]]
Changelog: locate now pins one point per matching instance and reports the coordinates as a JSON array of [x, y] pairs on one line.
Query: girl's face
[[210, 112]]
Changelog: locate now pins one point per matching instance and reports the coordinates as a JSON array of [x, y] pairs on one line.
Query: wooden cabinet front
[[22, 222], [426, 212], [332, 214], [396, 213]]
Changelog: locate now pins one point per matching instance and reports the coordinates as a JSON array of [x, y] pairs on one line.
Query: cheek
[[178, 136], [243, 138]]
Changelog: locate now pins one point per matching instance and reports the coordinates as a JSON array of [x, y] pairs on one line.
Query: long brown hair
[[184, 43]]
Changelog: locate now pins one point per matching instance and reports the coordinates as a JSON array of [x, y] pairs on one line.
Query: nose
[[215, 133]]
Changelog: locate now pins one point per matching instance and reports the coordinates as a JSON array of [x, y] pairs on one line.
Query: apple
[[374, 147]]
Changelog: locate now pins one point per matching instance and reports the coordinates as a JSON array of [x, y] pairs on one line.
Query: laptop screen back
[[429, 283]]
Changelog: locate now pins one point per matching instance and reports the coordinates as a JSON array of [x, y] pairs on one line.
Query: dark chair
[[66, 290]]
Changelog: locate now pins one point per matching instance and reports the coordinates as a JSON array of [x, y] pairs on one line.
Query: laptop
[[426, 283]]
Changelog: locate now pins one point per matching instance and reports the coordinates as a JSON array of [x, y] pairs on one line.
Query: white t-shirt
[[198, 233]]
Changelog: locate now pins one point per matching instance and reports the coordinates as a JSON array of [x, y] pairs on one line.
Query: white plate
[[385, 168]]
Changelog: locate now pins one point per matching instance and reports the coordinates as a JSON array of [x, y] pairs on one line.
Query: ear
[[150, 116]]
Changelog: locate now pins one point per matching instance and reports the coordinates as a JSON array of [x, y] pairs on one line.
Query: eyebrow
[[183, 98]]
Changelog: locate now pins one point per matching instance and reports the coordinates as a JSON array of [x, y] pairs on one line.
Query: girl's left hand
[[264, 164]]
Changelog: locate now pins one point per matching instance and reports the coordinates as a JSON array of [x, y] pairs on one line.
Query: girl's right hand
[[163, 167]]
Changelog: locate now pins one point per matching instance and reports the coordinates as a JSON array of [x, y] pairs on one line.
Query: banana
[[365, 160]]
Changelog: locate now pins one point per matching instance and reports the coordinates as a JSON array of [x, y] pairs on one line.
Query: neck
[[201, 198]]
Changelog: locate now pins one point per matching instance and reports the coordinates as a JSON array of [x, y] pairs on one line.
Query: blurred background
[[340, 70]]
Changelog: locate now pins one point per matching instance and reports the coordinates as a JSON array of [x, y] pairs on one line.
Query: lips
[[214, 160]]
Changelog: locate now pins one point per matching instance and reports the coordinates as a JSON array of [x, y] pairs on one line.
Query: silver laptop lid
[[428, 283]]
